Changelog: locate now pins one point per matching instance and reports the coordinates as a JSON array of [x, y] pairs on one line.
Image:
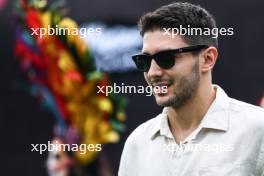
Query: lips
[[161, 83], [161, 87]]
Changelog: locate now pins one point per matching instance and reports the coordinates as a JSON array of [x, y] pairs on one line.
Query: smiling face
[[181, 80]]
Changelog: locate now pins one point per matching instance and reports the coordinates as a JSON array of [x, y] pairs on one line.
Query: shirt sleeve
[[123, 163], [128, 152]]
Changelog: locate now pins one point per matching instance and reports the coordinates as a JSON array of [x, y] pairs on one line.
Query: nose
[[154, 70]]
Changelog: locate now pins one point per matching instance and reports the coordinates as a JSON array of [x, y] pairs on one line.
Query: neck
[[185, 119]]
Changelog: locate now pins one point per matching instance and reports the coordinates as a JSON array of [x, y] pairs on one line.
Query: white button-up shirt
[[228, 142]]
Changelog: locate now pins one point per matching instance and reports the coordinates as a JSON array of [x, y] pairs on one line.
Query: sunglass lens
[[142, 63], [165, 61]]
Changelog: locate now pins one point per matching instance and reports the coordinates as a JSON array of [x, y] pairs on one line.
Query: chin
[[163, 100]]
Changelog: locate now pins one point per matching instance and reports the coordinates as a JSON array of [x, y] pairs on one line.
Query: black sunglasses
[[165, 59]]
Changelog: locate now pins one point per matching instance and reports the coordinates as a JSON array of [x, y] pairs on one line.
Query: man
[[201, 131]]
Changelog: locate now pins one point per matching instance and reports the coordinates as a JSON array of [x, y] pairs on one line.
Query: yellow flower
[[111, 137], [66, 62], [121, 116], [39, 4], [104, 104], [46, 19], [72, 27]]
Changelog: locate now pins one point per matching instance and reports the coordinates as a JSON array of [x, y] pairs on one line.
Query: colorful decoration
[[59, 163], [62, 75]]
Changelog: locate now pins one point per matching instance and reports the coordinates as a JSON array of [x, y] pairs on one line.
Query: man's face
[[181, 80]]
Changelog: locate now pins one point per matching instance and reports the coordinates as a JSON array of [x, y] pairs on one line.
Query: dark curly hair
[[179, 14]]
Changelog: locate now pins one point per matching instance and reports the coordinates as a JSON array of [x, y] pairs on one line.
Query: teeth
[[161, 87], [160, 84]]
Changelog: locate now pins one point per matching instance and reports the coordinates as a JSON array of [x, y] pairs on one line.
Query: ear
[[208, 59]]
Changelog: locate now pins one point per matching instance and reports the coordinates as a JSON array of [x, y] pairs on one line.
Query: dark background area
[[23, 121]]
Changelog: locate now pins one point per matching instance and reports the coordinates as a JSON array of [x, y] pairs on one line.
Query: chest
[[197, 159]]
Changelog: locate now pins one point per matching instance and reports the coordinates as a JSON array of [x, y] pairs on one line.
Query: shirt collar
[[217, 116]]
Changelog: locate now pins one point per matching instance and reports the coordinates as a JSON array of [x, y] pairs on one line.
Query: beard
[[186, 89]]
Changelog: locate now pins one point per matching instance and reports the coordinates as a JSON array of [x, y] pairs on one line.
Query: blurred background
[[23, 121]]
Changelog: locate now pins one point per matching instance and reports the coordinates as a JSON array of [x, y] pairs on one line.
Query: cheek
[[182, 68]]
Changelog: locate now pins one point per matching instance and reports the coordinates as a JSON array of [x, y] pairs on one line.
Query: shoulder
[[248, 114], [250, 120], [246, 108]]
